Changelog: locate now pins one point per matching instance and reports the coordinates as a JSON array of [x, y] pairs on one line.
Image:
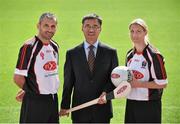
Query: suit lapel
[[99, 56], [84, 63]]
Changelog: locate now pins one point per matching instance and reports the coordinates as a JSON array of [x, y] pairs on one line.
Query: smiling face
[[137, 33], [91, 29], [47, 28]]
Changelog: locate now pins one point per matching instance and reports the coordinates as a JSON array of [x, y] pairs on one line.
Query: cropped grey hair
[[47, 15]]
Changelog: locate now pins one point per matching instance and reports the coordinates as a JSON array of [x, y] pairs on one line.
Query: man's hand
[[20, 95], [101, 98], [63, 112], [19, 80]]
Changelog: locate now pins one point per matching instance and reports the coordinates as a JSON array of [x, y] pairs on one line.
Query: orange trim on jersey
[[23, 56], [162, 66]]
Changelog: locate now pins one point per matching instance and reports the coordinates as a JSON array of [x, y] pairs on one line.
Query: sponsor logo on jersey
[[50, 66], [136, 60], [52, 74], [114, 75], [137, 74], [48, 51], [122, 89]]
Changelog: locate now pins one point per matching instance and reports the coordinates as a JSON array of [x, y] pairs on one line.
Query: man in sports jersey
[[36, 74], [147, 64]]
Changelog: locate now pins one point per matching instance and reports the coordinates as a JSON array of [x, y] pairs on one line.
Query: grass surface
[[18, 23]]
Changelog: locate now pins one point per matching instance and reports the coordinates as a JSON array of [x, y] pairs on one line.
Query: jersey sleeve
[[158, 69], [23, 60]]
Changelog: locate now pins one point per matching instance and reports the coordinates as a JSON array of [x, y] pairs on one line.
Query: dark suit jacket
[[87, 86]]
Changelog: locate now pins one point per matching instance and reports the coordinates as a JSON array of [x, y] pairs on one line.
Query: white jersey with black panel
[[38, 62], [147, 66]]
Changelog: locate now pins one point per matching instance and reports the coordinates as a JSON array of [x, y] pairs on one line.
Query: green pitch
[[18, 20]]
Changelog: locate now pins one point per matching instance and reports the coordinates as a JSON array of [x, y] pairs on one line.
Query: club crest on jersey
[[50, 66], [137, 74], [144, 63]]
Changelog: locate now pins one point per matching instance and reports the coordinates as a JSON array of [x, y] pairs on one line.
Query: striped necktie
[[91, 58]]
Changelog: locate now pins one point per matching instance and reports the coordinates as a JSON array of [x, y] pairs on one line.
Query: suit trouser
[[39, 108], [91, 118], [107, 121]]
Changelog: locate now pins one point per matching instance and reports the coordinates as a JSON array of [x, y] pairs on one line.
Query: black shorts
[[143, 111], [39, 108]]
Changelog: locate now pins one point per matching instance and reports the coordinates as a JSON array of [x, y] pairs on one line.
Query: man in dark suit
[[87, 73]]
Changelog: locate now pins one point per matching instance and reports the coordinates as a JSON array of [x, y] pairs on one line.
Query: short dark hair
[[92, 16]]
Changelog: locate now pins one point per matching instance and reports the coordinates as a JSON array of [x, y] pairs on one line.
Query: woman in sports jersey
[[147, 64]]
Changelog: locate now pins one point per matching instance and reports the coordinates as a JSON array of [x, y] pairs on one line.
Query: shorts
[[38, 108], [143, 111]]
